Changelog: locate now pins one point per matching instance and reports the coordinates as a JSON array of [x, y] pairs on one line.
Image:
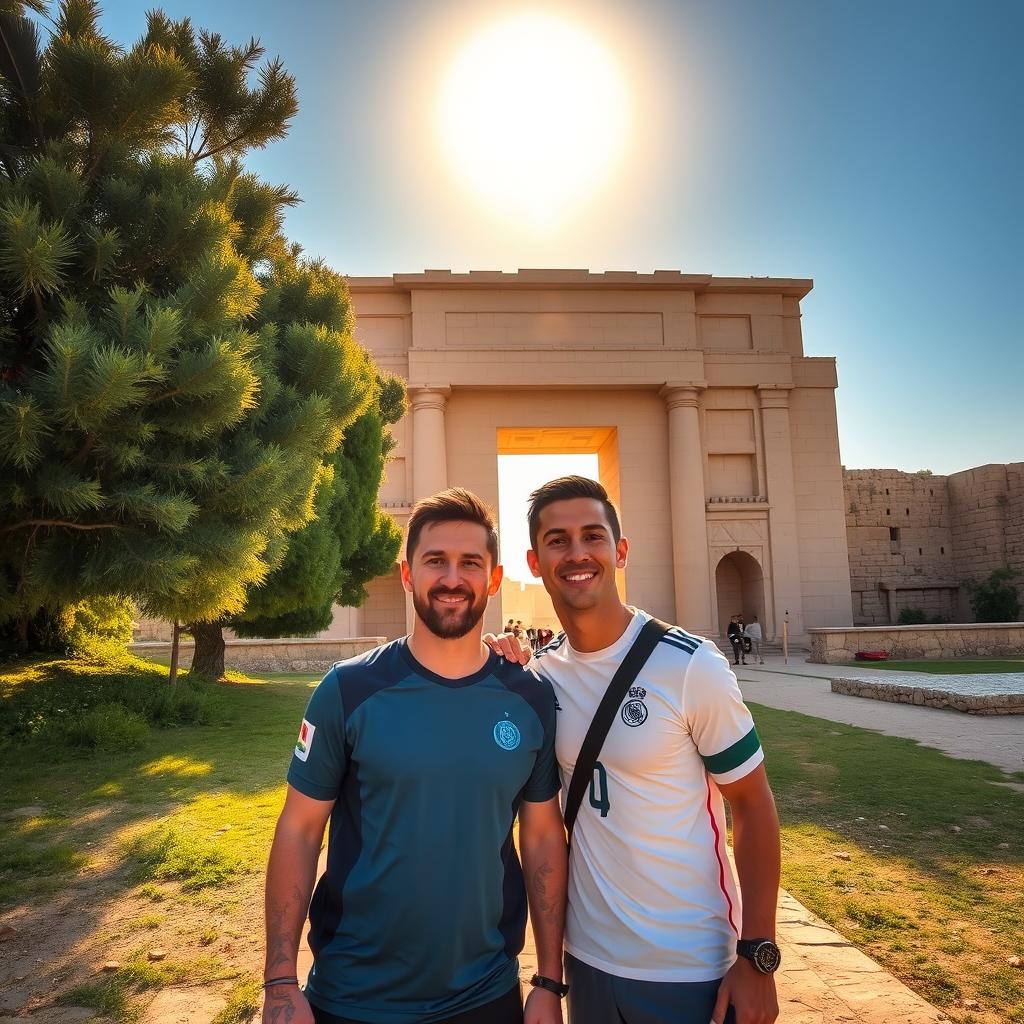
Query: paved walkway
[[799, 686], [824, 979]]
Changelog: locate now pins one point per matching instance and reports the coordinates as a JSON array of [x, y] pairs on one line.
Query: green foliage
[[105, 727], [912, 617], [175, 378], [349, 542], [99, 629], [64, 707], [918, 617], [995, 598]]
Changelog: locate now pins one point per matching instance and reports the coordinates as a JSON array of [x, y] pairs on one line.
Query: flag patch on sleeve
[[305, 740]]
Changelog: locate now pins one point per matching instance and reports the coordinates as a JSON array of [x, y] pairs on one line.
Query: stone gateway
[[715, 434]]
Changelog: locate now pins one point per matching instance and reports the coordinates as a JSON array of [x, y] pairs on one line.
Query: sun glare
[[533, 117]]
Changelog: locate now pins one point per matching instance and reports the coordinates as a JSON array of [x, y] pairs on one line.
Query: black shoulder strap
[[636, 657]]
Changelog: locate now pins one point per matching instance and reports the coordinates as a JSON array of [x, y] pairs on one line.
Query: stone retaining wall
[[302, 655], [973, 704], [971, 640]]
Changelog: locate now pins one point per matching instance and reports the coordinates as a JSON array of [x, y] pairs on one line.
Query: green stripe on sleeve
[[732, 757]]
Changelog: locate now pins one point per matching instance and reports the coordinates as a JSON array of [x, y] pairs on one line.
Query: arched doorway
[[739, 584]]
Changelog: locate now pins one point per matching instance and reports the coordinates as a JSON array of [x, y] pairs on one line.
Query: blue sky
[[874, 147]]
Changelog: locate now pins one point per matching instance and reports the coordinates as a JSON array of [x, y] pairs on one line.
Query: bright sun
[[533, 117]]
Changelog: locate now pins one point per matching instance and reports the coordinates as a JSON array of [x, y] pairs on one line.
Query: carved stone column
[[691, 571], [782, 518], [429, 443]]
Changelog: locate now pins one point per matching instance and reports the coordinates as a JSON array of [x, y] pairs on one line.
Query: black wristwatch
[[762, 953], [560, 990]]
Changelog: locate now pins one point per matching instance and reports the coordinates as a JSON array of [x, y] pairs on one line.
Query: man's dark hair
[[564, 489], [456, 505]]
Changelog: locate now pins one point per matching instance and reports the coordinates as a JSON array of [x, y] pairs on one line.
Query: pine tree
[[174, 377], [350, 542]]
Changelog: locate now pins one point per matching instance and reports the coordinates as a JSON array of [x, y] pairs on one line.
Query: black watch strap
[[764, 954], [560, 990]]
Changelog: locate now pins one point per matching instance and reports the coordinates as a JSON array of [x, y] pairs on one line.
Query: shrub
[[105, 727], [99, 629], [78, 706], [995, 598], [912, 617]]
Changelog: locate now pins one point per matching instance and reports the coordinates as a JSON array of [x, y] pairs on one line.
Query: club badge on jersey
[[634, 711]]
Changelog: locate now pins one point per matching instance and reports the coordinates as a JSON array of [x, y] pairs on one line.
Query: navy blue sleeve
[[543, 783], [319, 761]]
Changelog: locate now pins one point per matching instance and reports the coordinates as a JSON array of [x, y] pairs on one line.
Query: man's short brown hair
[[565, 488], [456, 505]]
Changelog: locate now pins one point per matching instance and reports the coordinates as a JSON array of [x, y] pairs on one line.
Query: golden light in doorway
[[533, 117]]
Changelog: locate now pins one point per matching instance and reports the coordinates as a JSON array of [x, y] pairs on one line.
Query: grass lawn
[[955, 666], [914, 856], [117, 855]]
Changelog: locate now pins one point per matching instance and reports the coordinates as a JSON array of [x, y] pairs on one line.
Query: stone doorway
[[739, 585], [530, 603]]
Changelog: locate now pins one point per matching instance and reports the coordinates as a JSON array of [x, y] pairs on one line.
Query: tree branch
[[67, 524], [218, 149]]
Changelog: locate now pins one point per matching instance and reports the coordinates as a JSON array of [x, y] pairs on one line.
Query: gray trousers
[[599, 998]]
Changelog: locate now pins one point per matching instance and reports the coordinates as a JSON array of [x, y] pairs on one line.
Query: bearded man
[[421, 753]]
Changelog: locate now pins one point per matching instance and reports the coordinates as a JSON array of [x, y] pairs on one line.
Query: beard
[[451, 623]]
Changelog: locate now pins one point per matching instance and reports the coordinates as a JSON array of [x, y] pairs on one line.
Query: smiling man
[[421, 753], [655, 931]]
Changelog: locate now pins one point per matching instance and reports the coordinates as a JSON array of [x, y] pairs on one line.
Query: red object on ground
[[871, 655]]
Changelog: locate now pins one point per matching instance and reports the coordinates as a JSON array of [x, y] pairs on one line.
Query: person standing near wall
[[753, 630]]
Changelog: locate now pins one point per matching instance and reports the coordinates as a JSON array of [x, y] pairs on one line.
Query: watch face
[[767, 957]]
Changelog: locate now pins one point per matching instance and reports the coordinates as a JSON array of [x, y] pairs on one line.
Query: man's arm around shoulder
[[545, 864], [291, 874]]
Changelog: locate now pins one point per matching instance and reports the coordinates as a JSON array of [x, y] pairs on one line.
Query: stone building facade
[[713, 431], [915, 538]]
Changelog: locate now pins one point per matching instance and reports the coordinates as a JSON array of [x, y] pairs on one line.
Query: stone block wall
[[914, 539], [899, 536], [974, 640], [270, 655], [987, 517]]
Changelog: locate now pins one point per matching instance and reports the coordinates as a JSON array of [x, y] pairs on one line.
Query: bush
[[105, 727], [99, 629], [995, 598], [911, 617], [76, 706]]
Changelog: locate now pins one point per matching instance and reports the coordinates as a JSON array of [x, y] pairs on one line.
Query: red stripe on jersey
[[718, 854]]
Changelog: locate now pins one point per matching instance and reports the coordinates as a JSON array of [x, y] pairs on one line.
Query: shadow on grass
[[181, 814], [907, 851]]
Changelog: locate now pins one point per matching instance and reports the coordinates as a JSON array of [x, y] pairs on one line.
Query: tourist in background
[[735, 634], [753, 632]]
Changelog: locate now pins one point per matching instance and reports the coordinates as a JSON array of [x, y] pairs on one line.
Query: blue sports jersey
[[422, 910]]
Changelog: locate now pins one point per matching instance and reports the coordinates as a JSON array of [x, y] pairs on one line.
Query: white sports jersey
[[651, 890]]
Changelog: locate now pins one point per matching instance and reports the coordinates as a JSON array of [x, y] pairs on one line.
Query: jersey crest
[[634, 711], [506, 735]]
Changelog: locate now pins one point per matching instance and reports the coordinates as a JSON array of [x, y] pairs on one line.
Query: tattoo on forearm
[[283, 930], [551, 909]]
